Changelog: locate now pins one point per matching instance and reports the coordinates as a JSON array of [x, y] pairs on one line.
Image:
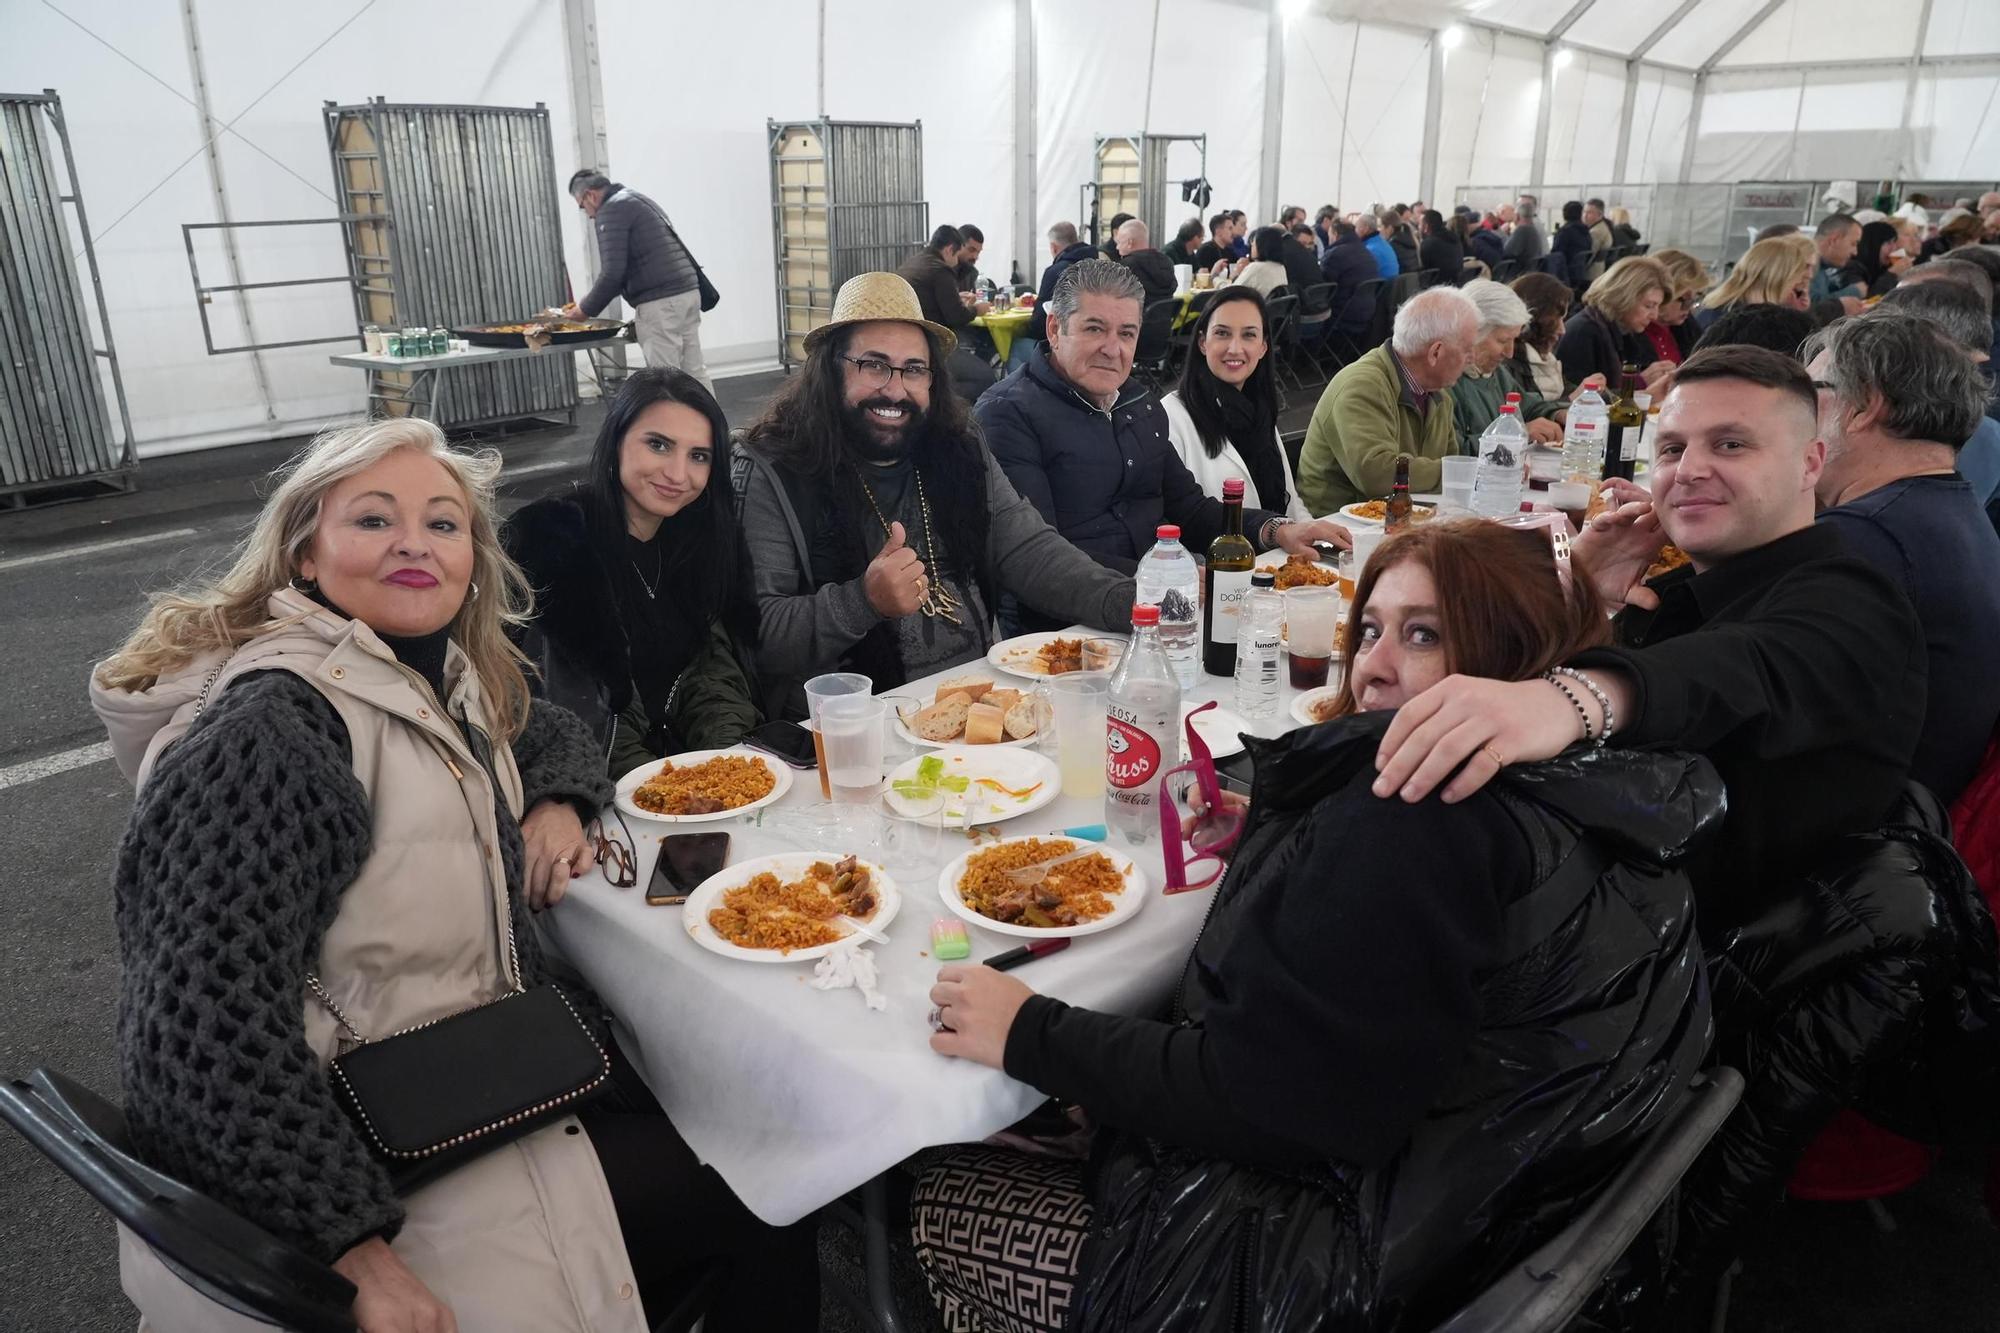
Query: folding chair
[[1154, 358], [1367, 301], [1507, 270], [1315, 341], [1283, 311], [1549, 1288]]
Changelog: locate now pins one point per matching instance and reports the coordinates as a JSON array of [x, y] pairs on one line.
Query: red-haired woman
[[1411, 1039]]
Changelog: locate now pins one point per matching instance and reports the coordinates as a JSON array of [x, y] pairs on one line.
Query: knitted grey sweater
[[228, 877]]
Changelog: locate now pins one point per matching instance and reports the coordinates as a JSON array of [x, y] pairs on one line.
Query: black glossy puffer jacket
[[1873, 987], [1587, 1035]]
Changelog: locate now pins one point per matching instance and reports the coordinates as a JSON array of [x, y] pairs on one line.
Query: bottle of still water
[[1169, 579], [1141, 719], [1503, 457], [1583, 449], [1260, 627]]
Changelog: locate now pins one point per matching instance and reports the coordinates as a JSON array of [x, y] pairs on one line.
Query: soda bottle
[[1168, 579], [1140, 718], [1496, 486], [1260, 627]]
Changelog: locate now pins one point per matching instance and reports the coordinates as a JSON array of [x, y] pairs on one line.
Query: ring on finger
[[1493, 754]]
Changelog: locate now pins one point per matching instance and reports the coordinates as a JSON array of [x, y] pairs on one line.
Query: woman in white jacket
[[1223, 419]]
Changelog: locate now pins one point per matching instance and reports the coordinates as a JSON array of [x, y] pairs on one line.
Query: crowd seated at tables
[[1568, 816]]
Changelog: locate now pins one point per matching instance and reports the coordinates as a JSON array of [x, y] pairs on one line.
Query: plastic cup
[[851, 731], [1365, 542], [1078, 702], [1312, 621], [1457, 484], [818, 690]]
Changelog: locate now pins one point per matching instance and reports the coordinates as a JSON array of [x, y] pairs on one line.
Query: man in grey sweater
[[881, 531], [641, 258]]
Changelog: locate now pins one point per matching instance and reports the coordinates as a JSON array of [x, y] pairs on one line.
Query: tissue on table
[[850, 964]]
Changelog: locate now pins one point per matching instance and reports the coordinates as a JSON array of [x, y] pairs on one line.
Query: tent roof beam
[[1750, 25], [1673, 20]]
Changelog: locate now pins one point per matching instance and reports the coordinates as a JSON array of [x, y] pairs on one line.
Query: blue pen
[[1086, 832]]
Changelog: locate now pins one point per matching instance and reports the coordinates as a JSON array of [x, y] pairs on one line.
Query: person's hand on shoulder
[[388, 1297], [1472, 727]]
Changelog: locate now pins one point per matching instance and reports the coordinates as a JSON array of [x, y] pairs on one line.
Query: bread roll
[[1002, 699], [985, 725], [1021, 720], [943, 720], [973, 688]]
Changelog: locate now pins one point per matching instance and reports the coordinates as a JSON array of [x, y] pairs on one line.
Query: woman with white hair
[[348, 803], [1489, 372]]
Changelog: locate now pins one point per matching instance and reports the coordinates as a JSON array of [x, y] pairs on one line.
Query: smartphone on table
[[686, 859], [787, 741]]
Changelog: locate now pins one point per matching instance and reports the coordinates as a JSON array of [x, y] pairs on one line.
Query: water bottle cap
[[1145, 613], [1509, 409], [1513, 397], [1263, 578], [1232, 489], [1168, 532]]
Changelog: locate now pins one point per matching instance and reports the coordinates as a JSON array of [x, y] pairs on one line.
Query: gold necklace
[[937, 600]]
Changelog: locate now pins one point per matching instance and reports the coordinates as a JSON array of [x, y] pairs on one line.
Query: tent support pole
[[1625, 122], [1539, 165], [1027, 236], [1433, 119], [593, 140], [1274, 109], [1694, 127], [1907, 157]]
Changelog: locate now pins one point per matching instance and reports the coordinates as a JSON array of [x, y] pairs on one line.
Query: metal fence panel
[[55, 421], [469, 197]]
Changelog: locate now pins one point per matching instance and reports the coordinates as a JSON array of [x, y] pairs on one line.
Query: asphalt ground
[[64, 606]]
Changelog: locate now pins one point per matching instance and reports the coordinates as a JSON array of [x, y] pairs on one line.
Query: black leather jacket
[[1588, 1030]]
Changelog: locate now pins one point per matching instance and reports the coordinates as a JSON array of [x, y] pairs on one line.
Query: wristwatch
[[1268, 534]]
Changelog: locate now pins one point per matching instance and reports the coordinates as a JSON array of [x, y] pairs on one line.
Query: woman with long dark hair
[[644, 621], [1223, 419]]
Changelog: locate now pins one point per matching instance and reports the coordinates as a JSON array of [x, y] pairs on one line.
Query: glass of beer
[[851, 739], [818, 690], [1312, 623]]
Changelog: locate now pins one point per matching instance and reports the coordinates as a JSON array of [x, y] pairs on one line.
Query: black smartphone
[[686, 859], [787, 740]]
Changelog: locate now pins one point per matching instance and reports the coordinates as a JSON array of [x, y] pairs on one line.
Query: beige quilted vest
[[526, 1236]]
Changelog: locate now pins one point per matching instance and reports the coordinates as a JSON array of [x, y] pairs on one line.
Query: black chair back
[[1507, 270], [1156, 328], [219, 1253]]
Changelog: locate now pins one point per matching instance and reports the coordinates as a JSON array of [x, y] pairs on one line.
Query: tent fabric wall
[[141, 168], [1661, 106], [1353, 115], [1583, 118], [1802, 126], [1486, 129], [1955, 130]]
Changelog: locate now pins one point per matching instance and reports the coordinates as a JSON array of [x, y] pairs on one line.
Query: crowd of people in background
[[391, 681]]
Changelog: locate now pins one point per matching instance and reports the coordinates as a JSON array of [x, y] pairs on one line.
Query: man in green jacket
[[1395, 400], [1489, 376]]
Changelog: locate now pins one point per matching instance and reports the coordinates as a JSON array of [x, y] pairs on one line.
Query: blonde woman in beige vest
[[341, 773]]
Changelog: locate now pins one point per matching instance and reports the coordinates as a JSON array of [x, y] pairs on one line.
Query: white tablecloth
[[796, 1096]]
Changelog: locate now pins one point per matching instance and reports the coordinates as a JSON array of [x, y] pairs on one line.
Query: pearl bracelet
[[1597, 692], [1582, 713]]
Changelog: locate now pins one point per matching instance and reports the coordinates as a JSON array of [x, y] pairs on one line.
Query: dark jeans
[[680, 1219]]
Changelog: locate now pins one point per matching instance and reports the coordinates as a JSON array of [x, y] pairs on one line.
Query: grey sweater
[[229, 875], [640, 257], [807, 626]]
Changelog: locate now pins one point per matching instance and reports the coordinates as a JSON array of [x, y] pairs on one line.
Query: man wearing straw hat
[[881, 531]]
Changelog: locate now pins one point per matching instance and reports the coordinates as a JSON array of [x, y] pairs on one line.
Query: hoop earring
[[475, 593], [300, 583]]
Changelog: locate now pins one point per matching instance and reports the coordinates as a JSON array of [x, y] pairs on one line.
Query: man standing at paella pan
[[642, 258]]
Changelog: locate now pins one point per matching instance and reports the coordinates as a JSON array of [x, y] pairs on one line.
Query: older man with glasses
[[642, 258], [881, 532]]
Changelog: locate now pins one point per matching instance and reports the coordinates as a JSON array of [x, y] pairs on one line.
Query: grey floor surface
[[1815, 1268]]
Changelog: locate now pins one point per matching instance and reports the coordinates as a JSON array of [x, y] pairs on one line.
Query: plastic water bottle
[[1503, 449], [1263, 621], [1140, 718], [1583, 450], [1169, 579]]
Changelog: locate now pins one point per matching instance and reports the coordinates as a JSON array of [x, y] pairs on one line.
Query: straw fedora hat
[[873, 296]]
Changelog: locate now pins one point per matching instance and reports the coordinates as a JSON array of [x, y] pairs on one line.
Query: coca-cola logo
[[1130, 755]]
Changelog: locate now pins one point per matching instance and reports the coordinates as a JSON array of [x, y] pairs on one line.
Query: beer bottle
[[1399, 497]]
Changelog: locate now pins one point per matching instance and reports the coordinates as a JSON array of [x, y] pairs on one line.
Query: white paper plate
[[1016, 656], [910, 737], [1302, 706], [1123, 909], [630, 783], [786, 866], [1014, 768], [1220, 729], [1347, 514]]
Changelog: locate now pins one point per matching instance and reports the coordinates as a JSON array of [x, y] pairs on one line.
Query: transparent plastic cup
[[1078, 702], [818, 690]]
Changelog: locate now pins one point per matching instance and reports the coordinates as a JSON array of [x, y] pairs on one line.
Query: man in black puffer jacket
[[1064, 249]]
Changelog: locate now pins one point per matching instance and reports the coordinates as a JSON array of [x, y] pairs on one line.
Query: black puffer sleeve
[[559, 761], [228, 877]]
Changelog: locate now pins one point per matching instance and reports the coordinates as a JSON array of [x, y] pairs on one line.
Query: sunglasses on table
[[617, 858], [1216, 828]]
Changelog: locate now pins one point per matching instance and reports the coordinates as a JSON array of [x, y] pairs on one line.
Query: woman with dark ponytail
[[644, 623]]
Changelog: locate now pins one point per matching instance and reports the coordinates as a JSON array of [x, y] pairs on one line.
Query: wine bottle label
[[1225, 604]]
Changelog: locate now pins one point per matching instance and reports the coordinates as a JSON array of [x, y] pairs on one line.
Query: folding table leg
[[875, 1250]]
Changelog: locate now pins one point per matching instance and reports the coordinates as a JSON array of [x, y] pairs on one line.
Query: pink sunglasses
[[1213, 834]]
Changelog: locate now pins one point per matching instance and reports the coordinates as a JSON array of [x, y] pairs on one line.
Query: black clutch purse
[[432, 1097]]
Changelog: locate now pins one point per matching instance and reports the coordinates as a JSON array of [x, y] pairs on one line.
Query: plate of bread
[[972, 710]]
